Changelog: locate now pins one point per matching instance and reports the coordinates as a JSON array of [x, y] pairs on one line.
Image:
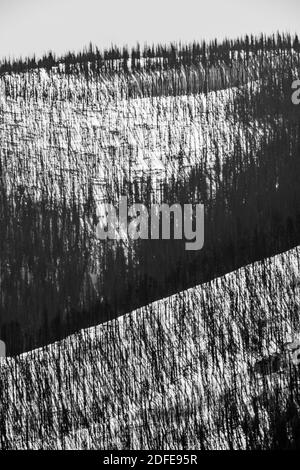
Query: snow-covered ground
[[64, 134], [212, 367]]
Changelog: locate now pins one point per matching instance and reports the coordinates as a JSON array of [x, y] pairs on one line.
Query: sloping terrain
[[213, 367], [63, 135], [71, 140]]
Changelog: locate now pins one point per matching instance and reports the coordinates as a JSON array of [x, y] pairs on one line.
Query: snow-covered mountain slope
[[213, 367], [62, 135], [69, 137]]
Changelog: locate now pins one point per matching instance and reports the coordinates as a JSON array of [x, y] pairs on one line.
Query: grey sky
[[35, 26]]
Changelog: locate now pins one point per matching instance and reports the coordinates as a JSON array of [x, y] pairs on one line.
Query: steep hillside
[[188, 126], [213, 367]]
